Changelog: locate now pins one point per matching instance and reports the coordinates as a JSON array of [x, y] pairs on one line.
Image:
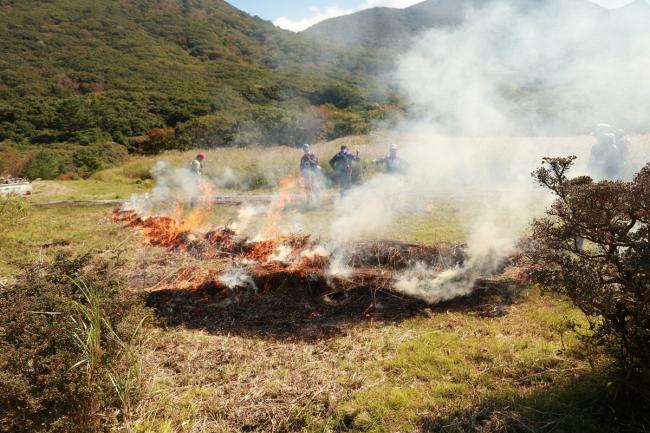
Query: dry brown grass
[[369, 375], [249, 168], [442, 368], [377, 377]]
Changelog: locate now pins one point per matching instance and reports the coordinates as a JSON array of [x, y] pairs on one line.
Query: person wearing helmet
[[394, 164], [309, 168], [624, 149], [605, 160], [197, 164], [342, 165]]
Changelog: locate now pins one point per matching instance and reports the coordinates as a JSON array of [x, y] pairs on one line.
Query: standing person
[[624, 149], [342, 165], [394, 164], [605, 160], [197, 169], [197, 164], [309, 168]]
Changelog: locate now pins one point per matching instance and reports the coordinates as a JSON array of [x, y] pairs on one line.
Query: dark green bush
[[72, 115], [89, 136], [215, 130], [123, 115], [44, 164], [90, 159], [339, 95]]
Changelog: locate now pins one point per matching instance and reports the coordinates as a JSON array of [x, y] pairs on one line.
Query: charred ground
[[297, 296]]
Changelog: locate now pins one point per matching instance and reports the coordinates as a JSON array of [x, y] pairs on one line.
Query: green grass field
[[446, 370]]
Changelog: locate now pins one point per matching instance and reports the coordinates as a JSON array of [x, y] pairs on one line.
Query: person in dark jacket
[[309, 168], [394, 164], [342, 165]]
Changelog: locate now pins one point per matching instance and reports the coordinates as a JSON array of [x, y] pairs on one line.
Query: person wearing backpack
[[310, 168], [342, 165]]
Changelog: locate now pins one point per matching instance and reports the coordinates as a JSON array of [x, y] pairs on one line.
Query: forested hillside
[[157, 74]]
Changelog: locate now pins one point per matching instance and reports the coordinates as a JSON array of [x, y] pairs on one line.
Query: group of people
[[608, 161], [342, 163]]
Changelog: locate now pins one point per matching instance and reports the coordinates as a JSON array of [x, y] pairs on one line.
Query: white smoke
[[318, 251], [432, 286], [281, 254], [367, 210], [245, 217], [545, 66], [492, 240], [172, 186], [339, 267], [227, 179], [237, 278], [482, 96]]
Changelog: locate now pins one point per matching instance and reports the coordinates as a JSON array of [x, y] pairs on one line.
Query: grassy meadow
[[448, 369]]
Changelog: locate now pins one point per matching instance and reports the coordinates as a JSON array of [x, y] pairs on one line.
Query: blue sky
[[299, 14]]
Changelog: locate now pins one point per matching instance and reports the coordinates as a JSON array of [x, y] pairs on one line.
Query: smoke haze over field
[[521, 67], [513, 68]]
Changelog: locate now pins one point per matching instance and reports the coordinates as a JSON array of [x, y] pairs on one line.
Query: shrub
[[89, 136], [157, 140], [215, 130], [90, 159], [594, 247], [339, 95], [44, 165], [60, 349], [71, 116], [12, 162], [122, 114]]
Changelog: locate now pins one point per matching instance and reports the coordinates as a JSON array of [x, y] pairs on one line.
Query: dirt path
[[218, 199]]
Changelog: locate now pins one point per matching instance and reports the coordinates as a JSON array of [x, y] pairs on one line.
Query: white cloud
[[316, 15], [390, 3]]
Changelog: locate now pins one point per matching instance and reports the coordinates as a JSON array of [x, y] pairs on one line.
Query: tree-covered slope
[[76, 70]]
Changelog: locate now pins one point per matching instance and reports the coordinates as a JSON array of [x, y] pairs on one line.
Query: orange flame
[[170, 231], [288, 186], [199, 211]]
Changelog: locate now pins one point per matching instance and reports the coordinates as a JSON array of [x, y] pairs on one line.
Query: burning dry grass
[[272, 340], [289, 286], [297, 258]]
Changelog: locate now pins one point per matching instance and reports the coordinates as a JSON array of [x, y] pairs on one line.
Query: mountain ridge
[[392, 28]]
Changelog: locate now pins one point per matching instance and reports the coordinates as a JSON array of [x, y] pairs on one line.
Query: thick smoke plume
[[544, 66], [173, 185], [485, 97]]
